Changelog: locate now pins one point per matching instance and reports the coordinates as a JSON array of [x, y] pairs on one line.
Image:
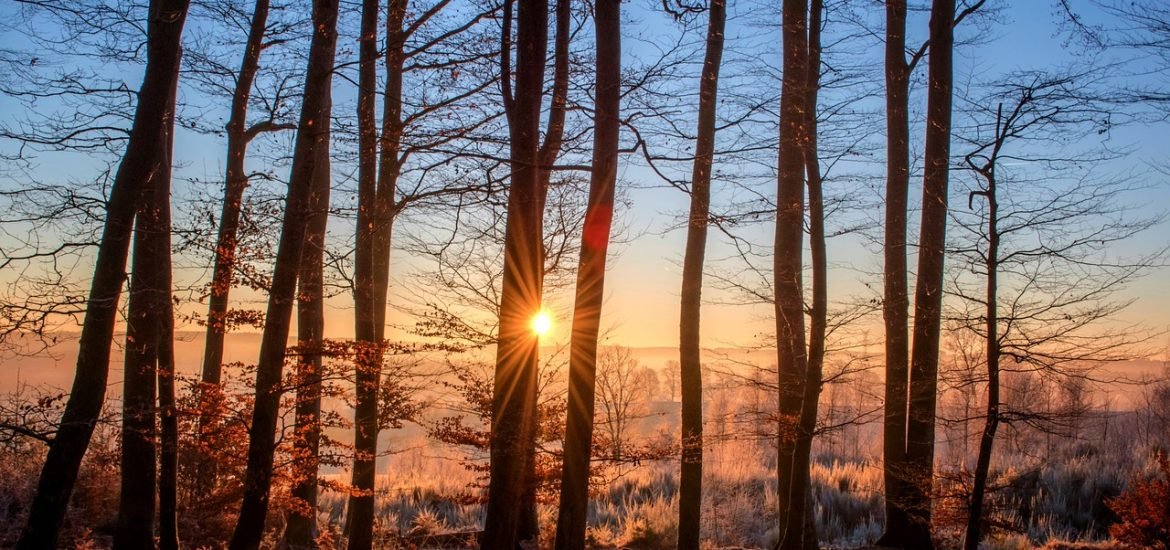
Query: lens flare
[[542, 323]]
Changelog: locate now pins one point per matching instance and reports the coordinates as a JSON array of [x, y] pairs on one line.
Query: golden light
[[542, 323]]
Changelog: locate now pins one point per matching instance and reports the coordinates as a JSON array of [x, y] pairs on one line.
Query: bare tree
[[690, 364], [928, 292], [517, 353], [143, 157], [1039, 250], [595, 237], [313, 130]]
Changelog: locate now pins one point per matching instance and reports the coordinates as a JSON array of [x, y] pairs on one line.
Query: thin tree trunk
[[987, 440], [301, 525], [819, 312], [368, 321], [792, 358], [591, 279], [146, 306], [235, 182], [895, 305], [690, 355], [517, 353], [554, 133], [168, 456], [141, 161], [312, 133], [928, 290]]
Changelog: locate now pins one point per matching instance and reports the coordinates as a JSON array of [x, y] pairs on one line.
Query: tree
[[236, 179], [792, 356], [516, 350], [690, 374], [144, 154], [368, 322], [1038, 246], [312, 131], [425, 44], [148, 303], [590, 290], [928, 291], [895, 303], [624, 387], [301, 528]]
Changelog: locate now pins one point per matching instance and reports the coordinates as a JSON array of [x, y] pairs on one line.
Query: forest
[[569, 274]]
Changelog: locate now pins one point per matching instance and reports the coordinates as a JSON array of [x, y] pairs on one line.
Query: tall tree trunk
[[987, 440], [690, 356], [517, 353], [168, 455], [301, 525], [142, 159], [367, 319], [148, 303], [895, 305], [792, 358], [590, 290], [928, 290], [235, 182], [312, 133], [529, 528], [819, 312]]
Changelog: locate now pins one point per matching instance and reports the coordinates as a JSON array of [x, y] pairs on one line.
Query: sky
[[642, 286]]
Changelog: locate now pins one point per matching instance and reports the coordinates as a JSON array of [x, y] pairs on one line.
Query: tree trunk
[[513, 406], [987, 440], [368, 316], [141, 161], [895, 305], [312, 133], [235, 182], [928, 290], [146, 307], [554, 133], [690, 355], [792, 359], [301, 525], [819, 312], [591, 279], [168, 456]]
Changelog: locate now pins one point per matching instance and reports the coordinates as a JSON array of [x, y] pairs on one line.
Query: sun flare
[[542, 323]]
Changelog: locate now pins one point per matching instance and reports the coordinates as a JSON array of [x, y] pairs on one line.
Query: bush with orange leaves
[[1144, 510]]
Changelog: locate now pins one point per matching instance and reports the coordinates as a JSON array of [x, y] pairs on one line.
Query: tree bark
[[591, 279], [141, 161], [554, 133], [792, 358], [991, 425], [513, 407], [690, 355], [895, 305], [235, 183], [369, 291], [920, 420], [301, 525], [168, 455], [147, 307], [312, 133], [819, 310]]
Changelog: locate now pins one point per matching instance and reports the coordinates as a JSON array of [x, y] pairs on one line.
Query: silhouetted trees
[[304, 190]]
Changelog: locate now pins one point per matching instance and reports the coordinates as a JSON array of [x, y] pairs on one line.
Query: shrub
[[1144, 510]]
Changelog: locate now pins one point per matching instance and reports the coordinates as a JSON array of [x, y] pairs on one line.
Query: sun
[[542, 323]]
